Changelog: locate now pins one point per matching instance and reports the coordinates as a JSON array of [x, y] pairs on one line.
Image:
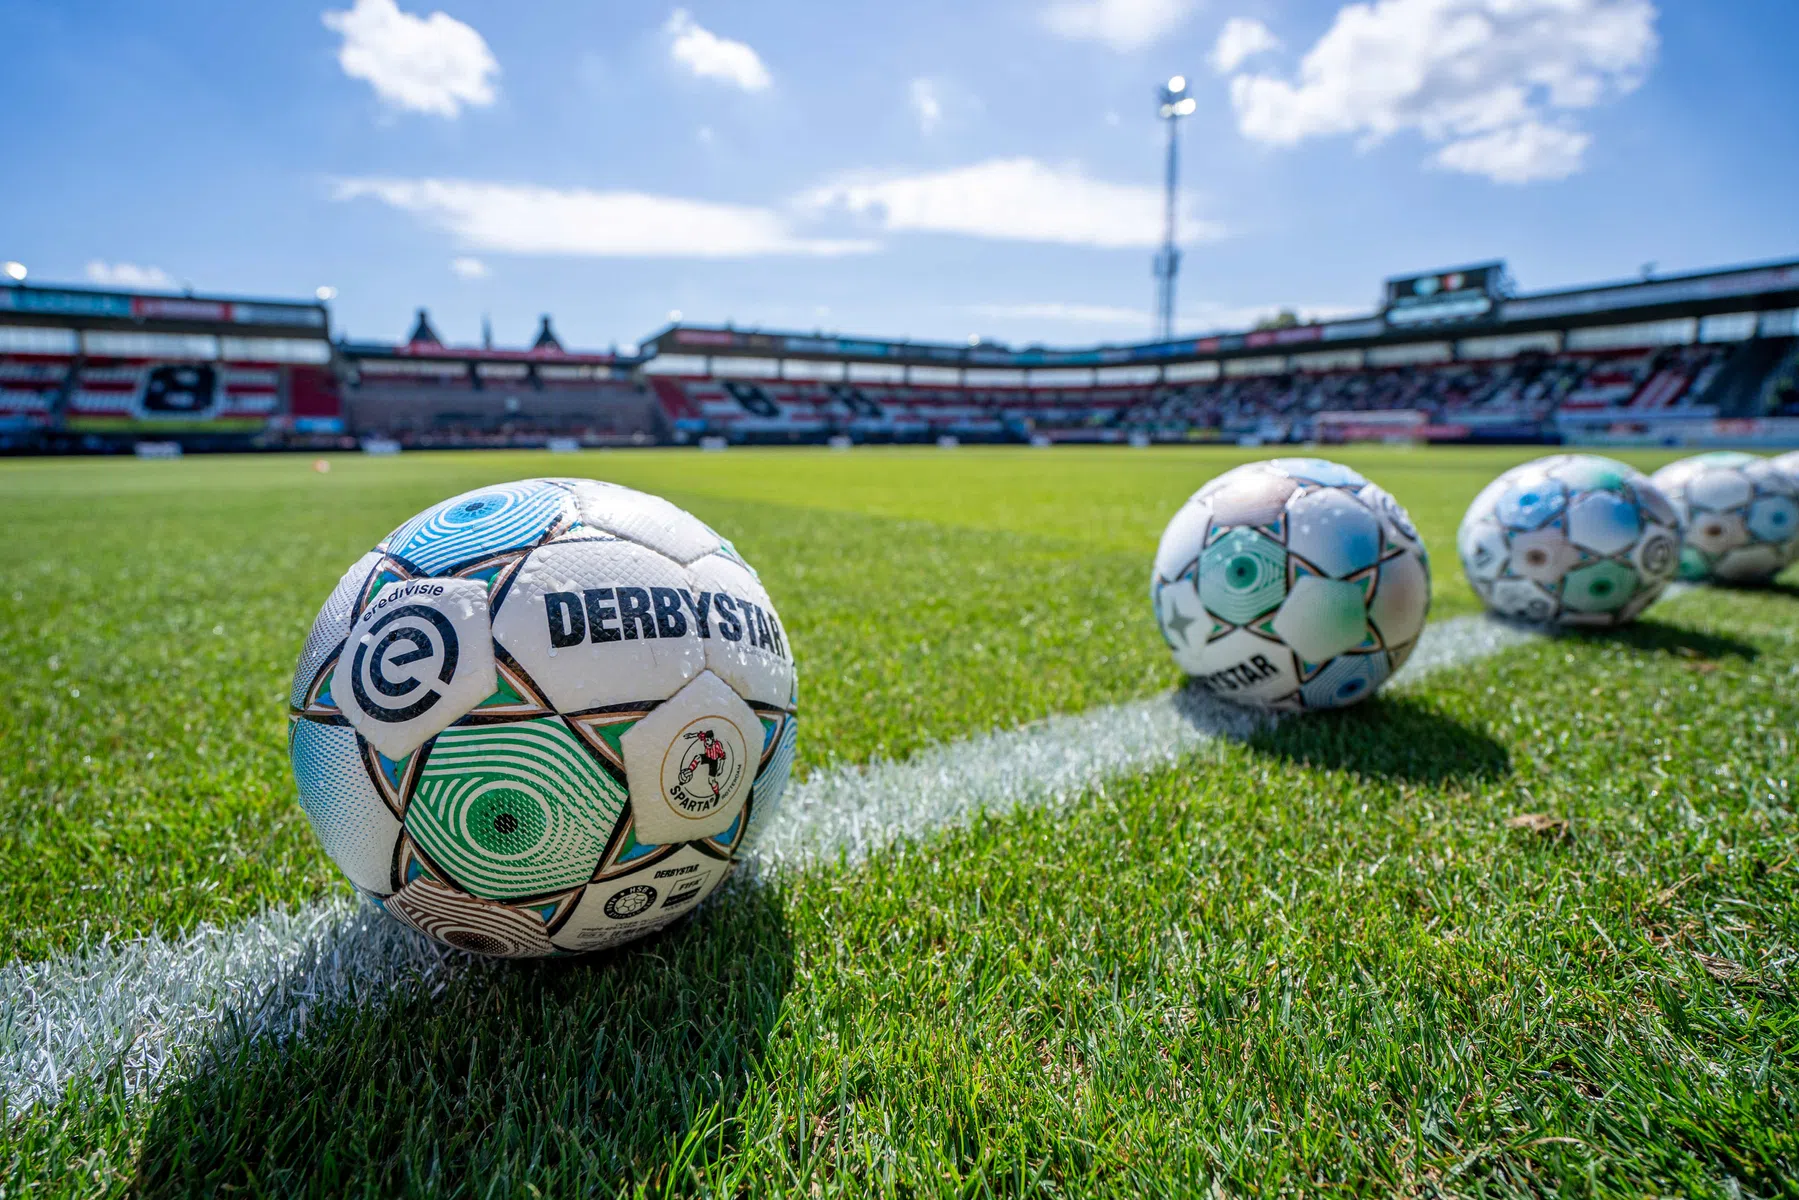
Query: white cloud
[[1494, 82], [926, 104], [432, 64], [469, 268], [1241, 39], [129, 275], [1123, 25], [1014, 199], [1522, 153], [524, 219], [709, 56]]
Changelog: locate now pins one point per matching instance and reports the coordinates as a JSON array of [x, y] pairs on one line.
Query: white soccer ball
[[1572, 539], [1741, 514], [1291, 584], [543, 718], [1788, 465]]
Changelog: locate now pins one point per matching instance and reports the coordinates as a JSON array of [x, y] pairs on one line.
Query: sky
[[935, 169]]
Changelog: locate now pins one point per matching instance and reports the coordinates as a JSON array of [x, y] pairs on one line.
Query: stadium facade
[[1709, 358]]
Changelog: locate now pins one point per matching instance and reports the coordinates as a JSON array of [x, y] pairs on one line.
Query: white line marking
[[138, 1006]]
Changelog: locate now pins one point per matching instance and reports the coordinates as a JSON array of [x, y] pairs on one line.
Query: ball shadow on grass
[[570, 1077], [1664, 637], [1386, 737]]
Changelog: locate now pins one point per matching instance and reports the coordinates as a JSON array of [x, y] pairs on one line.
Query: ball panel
[[1718, 491], [1184, 622], [330, 628], [1749, 564], [1322, 618], [1773, 519], [1320, 471], [1242, 575], [418, 658], [771, 782], [1182, 541], [1524, 599], [1401, 599], [1600, 587], [1333, 531], [514, 810], [1245, 667], [745, 644], [353, 823], [597, 622], [1543, 555], [1400, 529], [645, 519], [1346, 679], [460, 920], [691, 762], [627, 907], [480, 523], [1255, 499], [1604, 523], [1482, 546], [1530, 500]]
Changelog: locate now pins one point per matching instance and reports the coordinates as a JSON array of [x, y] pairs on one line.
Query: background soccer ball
[[1291, 584], [1788, 464], [543, 717], [1741, 514], [1573, 539]]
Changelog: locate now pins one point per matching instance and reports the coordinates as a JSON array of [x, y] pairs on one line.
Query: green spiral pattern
[[514, 810]]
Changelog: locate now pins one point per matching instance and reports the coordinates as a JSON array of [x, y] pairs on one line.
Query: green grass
[[1319, 961], [155, 610]]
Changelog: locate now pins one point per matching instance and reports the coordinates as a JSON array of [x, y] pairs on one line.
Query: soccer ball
[[543, 718], [1572, 539], [1741, 514], [1788, 464], [1291, 584]]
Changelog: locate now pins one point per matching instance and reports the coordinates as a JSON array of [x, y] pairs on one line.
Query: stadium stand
[[1456, 355], [424, 394]]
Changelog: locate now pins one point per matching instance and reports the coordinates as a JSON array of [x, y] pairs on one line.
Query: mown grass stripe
[[133, 1007]]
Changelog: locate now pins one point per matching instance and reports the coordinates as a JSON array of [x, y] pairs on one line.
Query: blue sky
[[934, 169]]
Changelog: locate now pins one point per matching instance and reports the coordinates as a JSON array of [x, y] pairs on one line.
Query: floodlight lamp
[[324, 293], [1185, 108], [674, 315], [15, 271], [1178, 84]]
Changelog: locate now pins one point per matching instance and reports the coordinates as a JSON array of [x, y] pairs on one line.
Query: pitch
[[1524, 923]]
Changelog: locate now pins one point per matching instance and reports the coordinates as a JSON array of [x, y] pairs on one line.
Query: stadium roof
[[1731, 289], [94, 308]]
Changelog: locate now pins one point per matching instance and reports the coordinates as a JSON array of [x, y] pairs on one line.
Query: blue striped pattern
[[475, 524], [771, 783]]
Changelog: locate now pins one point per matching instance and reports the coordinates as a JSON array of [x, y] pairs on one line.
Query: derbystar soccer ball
[[543, 717], [1741, 515], [1573, 539], [1291, 584]]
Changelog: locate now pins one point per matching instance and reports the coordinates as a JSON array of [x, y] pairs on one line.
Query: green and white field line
[[134, 1008]]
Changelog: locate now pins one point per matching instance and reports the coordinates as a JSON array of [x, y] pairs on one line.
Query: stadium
[[1453, 356], [1189, 752]]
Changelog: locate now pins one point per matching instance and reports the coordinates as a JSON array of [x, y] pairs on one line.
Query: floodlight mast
[[1175, 104]]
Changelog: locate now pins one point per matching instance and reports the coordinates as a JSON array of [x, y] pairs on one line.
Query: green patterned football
[[543, 718]]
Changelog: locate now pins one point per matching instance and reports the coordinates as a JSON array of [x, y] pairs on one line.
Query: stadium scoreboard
[[1444, 297]]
